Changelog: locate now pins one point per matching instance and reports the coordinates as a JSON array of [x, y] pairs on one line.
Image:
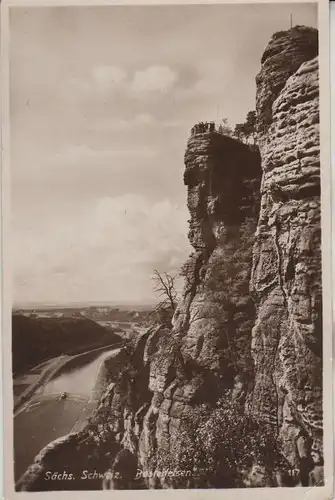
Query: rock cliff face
[[286, 276], [250, 317]]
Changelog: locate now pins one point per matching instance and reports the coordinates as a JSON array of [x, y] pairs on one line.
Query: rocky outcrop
[[249, 321], [286, 277], [223, 178], [283, 56]]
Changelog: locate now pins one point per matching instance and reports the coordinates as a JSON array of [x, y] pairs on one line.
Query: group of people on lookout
[[203, 127]]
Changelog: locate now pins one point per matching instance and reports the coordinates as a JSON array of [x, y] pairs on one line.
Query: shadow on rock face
[[123, 473]]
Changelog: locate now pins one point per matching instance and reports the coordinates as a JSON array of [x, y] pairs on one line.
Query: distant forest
[[38, 339]]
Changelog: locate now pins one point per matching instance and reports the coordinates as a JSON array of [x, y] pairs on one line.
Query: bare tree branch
[[164, 286]]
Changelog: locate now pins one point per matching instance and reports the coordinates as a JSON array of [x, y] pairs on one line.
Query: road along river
[[47, 416]]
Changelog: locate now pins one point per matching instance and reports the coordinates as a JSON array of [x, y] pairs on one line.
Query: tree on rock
[[164, 288], [240, 132], [247, 130], [251, 125]]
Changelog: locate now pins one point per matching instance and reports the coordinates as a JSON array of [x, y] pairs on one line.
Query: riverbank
[[56, 367], [47, 417]]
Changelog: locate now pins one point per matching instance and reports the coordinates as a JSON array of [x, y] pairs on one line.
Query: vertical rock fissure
[[279, 262]]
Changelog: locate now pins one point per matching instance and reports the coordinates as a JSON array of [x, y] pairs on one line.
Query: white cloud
[[101, 78], [108, 78], [154, 78], [108, 253]]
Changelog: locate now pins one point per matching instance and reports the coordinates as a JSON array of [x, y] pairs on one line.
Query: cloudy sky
[[102, 100]]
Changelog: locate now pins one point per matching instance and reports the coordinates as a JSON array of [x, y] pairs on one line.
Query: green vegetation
[[247, 130], [220, 445], [244, 132]]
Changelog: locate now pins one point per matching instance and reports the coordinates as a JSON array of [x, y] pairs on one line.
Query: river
[[78, 381], [48, 417]]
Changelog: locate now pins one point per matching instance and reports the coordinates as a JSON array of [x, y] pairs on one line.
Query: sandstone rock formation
[[250, 317], [286, 277], [283, 56]]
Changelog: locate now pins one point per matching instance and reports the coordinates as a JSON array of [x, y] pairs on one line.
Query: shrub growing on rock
[[222, 446]]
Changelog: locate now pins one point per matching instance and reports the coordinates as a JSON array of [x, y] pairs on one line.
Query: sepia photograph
[[167, 248]]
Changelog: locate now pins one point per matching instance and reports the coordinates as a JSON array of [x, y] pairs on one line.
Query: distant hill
[[38, 339]]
